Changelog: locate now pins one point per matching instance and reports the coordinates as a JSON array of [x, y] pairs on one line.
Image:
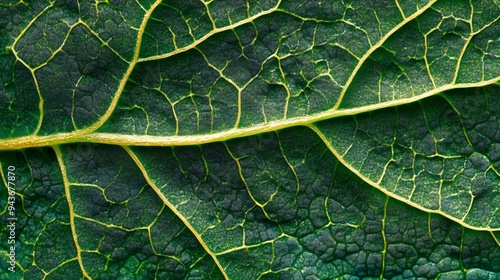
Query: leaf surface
[[440, 154], [250, 139]]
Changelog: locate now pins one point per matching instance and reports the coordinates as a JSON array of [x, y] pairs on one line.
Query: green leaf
[[86, 225], [440, 155], [250, 139]]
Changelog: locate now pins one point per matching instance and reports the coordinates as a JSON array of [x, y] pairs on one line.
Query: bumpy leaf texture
[[250, 139]]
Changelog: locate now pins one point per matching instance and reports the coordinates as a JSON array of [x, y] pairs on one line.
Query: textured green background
[[251, 139]]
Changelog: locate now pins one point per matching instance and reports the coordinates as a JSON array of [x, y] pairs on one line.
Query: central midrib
[[89, 134]]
